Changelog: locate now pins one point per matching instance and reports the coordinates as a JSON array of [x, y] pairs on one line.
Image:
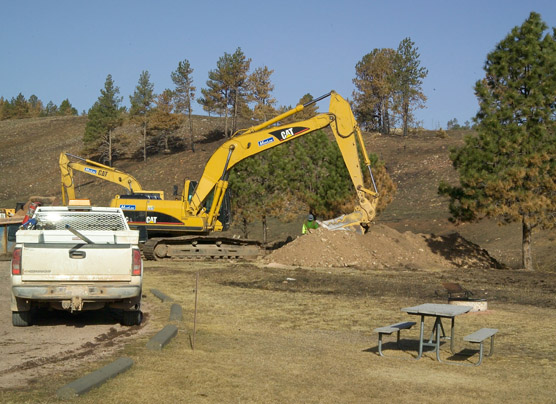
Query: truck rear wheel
[[21, 318], [132, 317]]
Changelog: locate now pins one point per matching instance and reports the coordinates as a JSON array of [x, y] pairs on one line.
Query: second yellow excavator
[[69, 163], [181, 228]]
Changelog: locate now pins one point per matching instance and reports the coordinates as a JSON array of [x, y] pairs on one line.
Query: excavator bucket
[[350, 222]]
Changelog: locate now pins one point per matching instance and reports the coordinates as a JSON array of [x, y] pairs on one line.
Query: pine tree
[[66, 108], [51, 109], [227, 86], [20, 107], [407, 81], [141, 105], [184, 94], [104, 116], [508, 171], [163, 118], [260, 89], [374, 79], [35, 106]]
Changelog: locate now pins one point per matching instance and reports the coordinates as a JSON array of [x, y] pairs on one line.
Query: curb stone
[[161, 296], [94, 379], [162, 338], [176, 313]]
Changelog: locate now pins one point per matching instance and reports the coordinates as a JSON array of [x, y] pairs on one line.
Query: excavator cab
[[225, 212]]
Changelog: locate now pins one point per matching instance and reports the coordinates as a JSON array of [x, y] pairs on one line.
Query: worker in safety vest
[[309, 225]]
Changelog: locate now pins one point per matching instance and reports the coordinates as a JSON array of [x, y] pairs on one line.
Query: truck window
[[57, 220]]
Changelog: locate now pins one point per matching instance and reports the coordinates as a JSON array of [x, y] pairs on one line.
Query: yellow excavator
[[69, 163], [181, 228]]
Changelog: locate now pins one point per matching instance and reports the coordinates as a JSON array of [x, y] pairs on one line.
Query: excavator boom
[[106, 173], [263, 137]]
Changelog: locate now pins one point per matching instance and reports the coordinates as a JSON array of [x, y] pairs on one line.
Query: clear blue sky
[[65, 49]]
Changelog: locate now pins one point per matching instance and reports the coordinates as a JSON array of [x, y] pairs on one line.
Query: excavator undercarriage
[[201, 247]]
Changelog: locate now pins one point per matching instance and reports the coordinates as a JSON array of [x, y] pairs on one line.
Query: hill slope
[[31, 147]]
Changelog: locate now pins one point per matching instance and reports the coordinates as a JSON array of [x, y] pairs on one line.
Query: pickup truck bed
[[76, 259]]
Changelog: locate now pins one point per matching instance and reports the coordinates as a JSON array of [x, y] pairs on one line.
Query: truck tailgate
[[76, 262]]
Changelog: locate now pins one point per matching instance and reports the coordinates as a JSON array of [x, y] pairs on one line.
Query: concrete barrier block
[[94, 379], [176, 312], [161, 296], [162, 338]]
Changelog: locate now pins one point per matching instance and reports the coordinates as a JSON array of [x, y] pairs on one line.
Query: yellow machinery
[[111, 174], [180, 228]]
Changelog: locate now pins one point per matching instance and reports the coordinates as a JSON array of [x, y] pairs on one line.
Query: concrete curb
[[161, 296], [176, 313], [162, 338], [94, 379]]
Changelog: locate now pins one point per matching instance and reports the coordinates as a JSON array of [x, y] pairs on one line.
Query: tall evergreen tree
[[51, 109], [260, 89], [239, 83], [35, 106], [104, 116], [227, 86], [374, 80], [184, 94], [66, 108], [508, 171], [163, 118], [141, 104], [408, 78], [20, 107]]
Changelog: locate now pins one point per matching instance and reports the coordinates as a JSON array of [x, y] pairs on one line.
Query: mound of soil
[[382, 247]]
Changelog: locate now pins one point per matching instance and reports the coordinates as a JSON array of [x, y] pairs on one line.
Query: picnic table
[[438, 311]]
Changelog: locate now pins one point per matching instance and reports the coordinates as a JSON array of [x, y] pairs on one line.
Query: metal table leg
[[438, 324], [421, 336], [452, 335]]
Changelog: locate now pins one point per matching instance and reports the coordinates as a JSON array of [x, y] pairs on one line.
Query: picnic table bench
[[479, 337], [389, 329]]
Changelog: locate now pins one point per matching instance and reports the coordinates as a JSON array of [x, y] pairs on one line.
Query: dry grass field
[[263, 337], [303, 333]]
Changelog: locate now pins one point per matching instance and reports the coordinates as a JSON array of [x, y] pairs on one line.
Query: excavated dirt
[[382, 247]]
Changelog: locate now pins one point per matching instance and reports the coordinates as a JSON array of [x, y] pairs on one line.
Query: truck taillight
[[16, 261], [136, 265]]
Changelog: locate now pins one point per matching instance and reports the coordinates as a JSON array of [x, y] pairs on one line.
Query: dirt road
[[59, 341]]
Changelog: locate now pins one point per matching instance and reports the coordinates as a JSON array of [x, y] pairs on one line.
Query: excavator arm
[[111, 174], [264, 136]]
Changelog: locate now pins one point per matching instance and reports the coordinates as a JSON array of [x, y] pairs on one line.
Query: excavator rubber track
[[201, 247]]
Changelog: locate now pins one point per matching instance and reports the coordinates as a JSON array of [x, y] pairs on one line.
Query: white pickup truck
[[76, 258]]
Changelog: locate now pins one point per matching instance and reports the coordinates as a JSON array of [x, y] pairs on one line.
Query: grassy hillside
[[31, 147]]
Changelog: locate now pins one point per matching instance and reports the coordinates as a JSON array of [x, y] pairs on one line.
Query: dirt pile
[[382, 247]]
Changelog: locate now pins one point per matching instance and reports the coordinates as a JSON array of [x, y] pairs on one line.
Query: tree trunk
[[265, 230], [245, 228], [226, 122], [191, 131], [527, 258], [110, 147], [234, 120], [405, 118], [144, 140]]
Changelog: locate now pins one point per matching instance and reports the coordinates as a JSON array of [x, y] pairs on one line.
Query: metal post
[[195, 315]]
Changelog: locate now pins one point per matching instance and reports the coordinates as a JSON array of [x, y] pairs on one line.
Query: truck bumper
[[25, 294], [45, 292]]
